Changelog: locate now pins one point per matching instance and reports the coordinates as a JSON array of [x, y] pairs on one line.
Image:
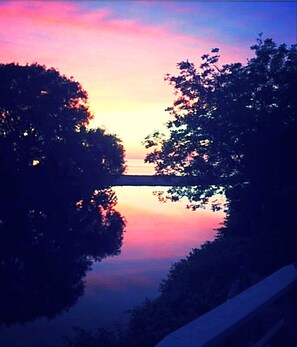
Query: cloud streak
[[120, 58]]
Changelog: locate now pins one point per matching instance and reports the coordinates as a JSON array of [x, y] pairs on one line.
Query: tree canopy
[[56, 201], [232, 130], [233, 125]]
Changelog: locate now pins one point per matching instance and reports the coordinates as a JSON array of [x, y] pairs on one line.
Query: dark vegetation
[[234, 128], [57, 211]]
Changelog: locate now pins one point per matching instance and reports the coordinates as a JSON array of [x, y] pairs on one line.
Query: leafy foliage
[[233, 130], [57, 212], [231, 126]]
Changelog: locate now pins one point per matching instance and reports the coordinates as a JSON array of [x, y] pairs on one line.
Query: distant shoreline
[[152, 180]]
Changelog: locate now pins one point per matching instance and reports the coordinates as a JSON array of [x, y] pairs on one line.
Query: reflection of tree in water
[[53, 223], [43, 266]]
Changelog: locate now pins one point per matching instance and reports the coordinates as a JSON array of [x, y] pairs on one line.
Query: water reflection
[[44, 257], [156, 236]]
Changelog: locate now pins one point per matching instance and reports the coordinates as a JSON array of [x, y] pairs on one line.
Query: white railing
[[213, 327]]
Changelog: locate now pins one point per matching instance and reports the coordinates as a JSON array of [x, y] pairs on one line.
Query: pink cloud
[[120, 62], [68, 15]]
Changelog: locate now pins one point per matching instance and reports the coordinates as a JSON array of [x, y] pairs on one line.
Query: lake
[[156, 236], [139, 167]]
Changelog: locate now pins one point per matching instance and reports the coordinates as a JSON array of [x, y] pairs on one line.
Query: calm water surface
[[156, 236], [139, 167]]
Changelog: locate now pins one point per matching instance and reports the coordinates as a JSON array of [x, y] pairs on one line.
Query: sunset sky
[[120, 50]]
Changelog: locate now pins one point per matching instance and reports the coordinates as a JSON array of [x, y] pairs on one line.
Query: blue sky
[[234, 19]]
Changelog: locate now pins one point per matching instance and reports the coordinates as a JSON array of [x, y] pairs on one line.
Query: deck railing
[[232, 321]]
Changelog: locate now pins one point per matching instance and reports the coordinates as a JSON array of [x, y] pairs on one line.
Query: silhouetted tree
[[234, 129], [56, 211], [231, 125]]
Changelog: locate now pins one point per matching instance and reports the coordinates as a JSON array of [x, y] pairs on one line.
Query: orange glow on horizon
[[120, 62]]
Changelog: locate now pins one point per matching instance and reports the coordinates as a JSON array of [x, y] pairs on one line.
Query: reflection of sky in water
[[156, 236]]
